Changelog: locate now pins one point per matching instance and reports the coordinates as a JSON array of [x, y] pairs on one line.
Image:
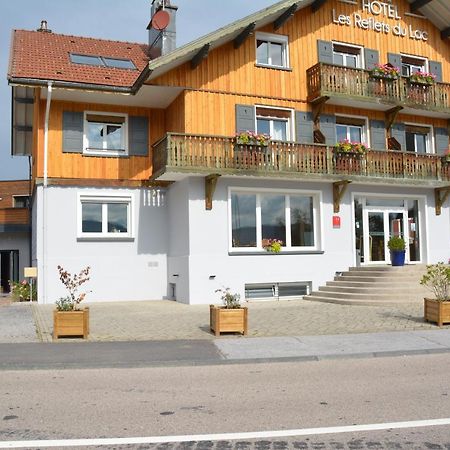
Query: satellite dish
[[160, 20]]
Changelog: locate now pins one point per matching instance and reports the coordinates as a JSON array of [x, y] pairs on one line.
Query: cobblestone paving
[[166, 320], [16, 322]]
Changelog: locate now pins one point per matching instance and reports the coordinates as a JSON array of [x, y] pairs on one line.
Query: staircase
[[374, 286]]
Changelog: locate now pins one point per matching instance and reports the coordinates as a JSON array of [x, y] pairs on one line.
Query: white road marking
[[224, 436]]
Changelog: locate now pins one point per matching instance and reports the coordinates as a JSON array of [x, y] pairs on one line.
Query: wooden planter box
[[222, 320], [435, 311], [71, 323]]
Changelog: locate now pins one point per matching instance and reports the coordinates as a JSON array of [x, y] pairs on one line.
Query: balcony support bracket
[[391, 115], [243, 35], [210, 188], [317, 107], [339, 188], [200, 56], [278, 23], [440, 197]]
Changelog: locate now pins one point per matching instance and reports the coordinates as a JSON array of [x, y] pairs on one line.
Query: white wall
[[134, 269]]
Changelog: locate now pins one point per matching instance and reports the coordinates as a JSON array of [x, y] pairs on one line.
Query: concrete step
[[369, 290], [395, 284], [384, 268], [381, 275], [363, 296], [358, 302]]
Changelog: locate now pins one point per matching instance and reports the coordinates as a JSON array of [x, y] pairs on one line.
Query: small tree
[[437, 280], [72, 283]]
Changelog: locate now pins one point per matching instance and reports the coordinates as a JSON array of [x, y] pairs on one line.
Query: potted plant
[[397, 245], [346, 147], [68, 319], [437, 280], [231, 317], [272, 245], [385, 72], [252, 138], [422, 78]]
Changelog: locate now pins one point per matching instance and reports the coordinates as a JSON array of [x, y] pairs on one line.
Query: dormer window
[[272, 50]]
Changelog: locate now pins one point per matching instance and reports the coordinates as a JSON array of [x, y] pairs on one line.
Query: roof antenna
[[44, 28]]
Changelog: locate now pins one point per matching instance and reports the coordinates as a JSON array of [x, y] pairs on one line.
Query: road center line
[[224, 436]]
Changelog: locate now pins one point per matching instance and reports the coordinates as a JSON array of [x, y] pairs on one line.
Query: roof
[[46, 56], [437, 12]]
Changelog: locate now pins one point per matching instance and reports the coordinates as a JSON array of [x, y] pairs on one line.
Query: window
[[102, 61], [291, 218], [272, 50], [105, 133], [351, 129], [413, 64], [21, 201], [418, 139], [347, 55], [105, 217], [274, 122]]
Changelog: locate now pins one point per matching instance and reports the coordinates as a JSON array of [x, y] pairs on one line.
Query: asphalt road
[[208, 400]]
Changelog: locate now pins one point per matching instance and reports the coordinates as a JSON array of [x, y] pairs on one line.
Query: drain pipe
[[44, 188]]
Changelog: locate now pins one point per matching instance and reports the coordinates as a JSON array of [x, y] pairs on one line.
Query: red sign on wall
[[336, 222]]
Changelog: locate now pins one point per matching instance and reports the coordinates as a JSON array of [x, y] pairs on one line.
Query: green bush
[[396, 243], [437, 280]]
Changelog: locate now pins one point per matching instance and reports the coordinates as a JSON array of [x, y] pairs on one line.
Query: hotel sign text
[[379, 10]]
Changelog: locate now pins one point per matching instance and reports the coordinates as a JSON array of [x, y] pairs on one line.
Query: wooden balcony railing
[[328, 80], [219, 154], [14, 216]]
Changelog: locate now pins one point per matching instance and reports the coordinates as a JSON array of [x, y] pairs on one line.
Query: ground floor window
[[289, 217], [105, 217]]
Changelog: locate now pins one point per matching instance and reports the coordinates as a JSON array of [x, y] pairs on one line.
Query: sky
[[123, 20]]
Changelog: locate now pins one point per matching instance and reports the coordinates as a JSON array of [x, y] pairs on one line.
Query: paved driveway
[[16, 322], [166, 320]]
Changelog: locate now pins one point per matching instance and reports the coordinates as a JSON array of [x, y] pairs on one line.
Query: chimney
[[164, 41], [43, 28]]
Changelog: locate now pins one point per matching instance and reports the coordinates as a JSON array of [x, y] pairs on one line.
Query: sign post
[[31, 274]]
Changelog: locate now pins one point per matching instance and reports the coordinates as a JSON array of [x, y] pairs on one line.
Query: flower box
[[422, 79], [227, 320], [385, 72], [71, 323]]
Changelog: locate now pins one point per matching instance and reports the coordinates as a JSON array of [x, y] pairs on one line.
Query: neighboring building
[[137, 173], [14, 231]]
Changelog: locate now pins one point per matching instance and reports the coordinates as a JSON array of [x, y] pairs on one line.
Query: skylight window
[[102, 61]]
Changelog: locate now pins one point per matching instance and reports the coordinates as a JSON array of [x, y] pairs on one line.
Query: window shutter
[[441, 139], [245, 118], [72, 132], [328, 128], [325, 51], [377, 135], [395, 59], [398, 132], [436, 68], [371, 57], [138, 135], [304, 127]]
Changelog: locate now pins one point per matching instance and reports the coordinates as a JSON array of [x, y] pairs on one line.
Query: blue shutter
[[328, 128], [72, 132], [377, 135], [138, 135], [245, 118], [325, 51], [398, 132], [395, 60], [371, 57], [304, 127], [441, 140], [436, 68]]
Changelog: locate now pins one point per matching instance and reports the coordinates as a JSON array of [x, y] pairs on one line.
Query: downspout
[[44, 188]]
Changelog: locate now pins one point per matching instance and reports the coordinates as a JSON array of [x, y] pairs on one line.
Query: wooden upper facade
[[322, 86]]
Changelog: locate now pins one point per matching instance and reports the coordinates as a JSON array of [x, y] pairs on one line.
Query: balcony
[[14, 220], [354, 87], [179, 155]]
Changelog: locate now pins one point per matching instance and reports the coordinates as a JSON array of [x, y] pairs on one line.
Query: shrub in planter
[[397, 246], [231, 317]]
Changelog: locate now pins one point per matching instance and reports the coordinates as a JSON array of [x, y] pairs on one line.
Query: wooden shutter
[[328, 128], [325, 51], [395, 59], [304, 127], [377, 135], [72, 132], [441, 140], [138, 135], [245, 118], [436, 68], [371, 57], [398, 132]]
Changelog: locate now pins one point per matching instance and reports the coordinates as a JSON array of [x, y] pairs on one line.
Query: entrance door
[[9, 268], [380, 224]]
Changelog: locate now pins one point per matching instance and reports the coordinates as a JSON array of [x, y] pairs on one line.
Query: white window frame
[[276, 39], [289, 120], [359, 57], [104, 200], [317, 217], [430, 144], [422, 58], [365, 135], [20, 196], [105, 152]]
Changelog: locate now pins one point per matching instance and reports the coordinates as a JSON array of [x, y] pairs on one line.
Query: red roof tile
[[46, 56]]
